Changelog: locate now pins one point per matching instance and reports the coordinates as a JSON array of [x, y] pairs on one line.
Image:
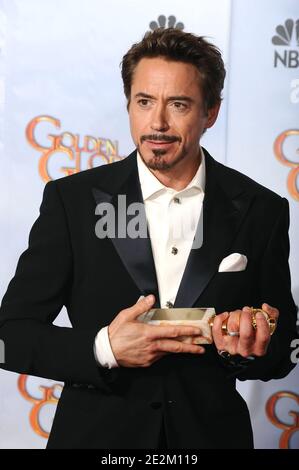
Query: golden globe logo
[[40, 397], [287, 36], [288, 156], [288, 429], [72, 151]]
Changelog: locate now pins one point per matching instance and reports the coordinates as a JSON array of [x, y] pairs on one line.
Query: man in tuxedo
[[128, 384]]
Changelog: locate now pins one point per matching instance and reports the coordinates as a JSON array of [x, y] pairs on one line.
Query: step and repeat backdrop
[[62, 110]]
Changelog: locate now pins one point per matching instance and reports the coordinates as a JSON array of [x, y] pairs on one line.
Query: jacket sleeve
[[274, 288], [34, 298]]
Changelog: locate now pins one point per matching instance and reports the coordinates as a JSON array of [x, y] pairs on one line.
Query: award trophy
[[200, 317]]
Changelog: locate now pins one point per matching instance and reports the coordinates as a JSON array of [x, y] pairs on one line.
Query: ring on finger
[[224, 325], [233, 333], [270, 320]]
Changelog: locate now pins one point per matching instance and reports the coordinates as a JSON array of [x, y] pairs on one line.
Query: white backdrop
[[59, 71]]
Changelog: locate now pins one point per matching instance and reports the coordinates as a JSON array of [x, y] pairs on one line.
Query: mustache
[[161, 138]]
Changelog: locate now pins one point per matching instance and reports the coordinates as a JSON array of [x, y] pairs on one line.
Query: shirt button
[[169, 304], [174, 250], [177, 200]]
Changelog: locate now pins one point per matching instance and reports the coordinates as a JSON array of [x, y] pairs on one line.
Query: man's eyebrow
[[181, 98], [170, 98], [144, 95]]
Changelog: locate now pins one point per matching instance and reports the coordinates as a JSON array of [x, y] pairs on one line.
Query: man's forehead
[[152, 73], [160, 63]]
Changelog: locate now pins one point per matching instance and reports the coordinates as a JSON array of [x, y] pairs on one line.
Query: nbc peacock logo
[[166, 22], [287, 38]]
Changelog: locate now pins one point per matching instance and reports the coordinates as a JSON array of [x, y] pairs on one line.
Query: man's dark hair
[[174, 44]]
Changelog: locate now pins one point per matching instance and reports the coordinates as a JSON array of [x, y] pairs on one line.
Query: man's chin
[[159, 165], [158, 160]]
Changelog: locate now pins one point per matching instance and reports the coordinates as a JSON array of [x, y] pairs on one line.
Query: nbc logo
[[164, 22], [287, 38]]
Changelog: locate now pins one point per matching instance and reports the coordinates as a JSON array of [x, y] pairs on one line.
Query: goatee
[[157, 162]]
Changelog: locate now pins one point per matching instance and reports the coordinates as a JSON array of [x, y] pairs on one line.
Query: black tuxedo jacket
[[67, 264]]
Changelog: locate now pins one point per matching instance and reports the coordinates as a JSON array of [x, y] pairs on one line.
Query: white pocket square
[[233, 262]]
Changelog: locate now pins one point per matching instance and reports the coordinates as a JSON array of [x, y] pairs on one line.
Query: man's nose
[[159, 120]]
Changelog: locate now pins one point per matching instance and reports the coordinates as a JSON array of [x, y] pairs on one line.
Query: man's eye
[[143, 102], [179, 105]]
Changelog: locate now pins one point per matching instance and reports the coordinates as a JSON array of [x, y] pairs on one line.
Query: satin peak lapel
[[135, 253]]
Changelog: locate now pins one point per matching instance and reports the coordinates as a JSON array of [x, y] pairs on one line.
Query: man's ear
[[212, 115]]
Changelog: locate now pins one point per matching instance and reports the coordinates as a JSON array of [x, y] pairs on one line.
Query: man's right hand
[[136, 344]]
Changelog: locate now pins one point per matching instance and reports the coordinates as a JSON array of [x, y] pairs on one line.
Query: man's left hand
[[242, 338]]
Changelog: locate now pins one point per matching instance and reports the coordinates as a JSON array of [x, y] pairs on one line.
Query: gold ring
[[270, 320], [223, 326]]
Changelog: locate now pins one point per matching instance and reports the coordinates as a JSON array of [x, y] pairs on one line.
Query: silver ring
[[233, 333]]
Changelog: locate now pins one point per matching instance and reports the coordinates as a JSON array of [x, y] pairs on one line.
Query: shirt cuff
[[102, 350]]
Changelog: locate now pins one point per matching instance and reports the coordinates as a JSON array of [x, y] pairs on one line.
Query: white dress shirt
[[172, 218]]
